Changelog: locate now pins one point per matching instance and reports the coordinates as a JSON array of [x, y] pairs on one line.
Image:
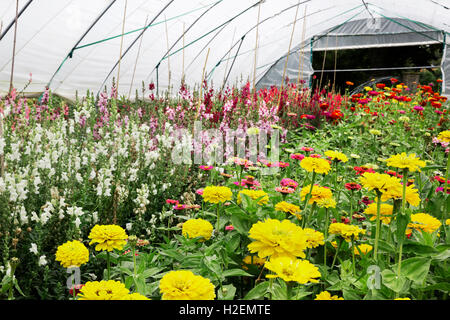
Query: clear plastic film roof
[[79, 45]]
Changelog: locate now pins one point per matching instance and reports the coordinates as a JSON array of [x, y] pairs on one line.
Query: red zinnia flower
[[352, 186]]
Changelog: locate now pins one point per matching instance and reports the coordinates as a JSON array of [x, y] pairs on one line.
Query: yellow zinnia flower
[[216, 194], [364, 248], [447, 222], [72, 254], [254, 194], [336, 155], [313, 238], [403, 161], [347, 231], [317, 165], [326, 203], [395, 192], [288, 208], [424, 222], [325, 295], [108, 237], [292, 269], [134, 296], [103, 290], [444, 136], [375, 132], [378, 181], [318, 194], [184, 285], [385, 212], [194, 228], [274, 238], [255, 260]]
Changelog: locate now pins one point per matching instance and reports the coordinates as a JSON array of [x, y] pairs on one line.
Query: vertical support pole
[[256, 47], [137, 57], [14, 48], [121, 45], [300, 59], [288, 54], [168, 56]]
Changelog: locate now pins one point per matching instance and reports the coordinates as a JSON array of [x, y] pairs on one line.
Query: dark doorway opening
[[374, 58]]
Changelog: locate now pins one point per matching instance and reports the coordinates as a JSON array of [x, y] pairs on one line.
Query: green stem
[[308, 196], [446, 185], [288, 290], [325, 238], [400, 249], [108, 265], [218, 217], [353, 257], [134, 262], [377, 230], [335, 255]]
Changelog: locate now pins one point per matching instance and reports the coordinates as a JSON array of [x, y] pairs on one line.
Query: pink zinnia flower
[[287, 182], [307, 149], [171, 201], [206, 168], [297, 156], [285, 189], [229, 228], [199, 191]]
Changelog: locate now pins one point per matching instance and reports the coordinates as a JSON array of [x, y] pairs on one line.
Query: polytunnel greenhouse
[[224, 150]]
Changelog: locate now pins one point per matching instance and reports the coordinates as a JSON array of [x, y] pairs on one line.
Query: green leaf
[[402, 221], [227, 293], [126, 271], [442, 256], [235, 273], [279, 290], [140, 284], [392, 281], [350, 294], [151, 272], [443, 286], [242, 226], [258, 292], [416, 269], [233, 243], [417, 248]]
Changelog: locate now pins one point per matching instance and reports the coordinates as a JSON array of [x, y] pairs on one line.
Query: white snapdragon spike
[[34, 217], [142, 199], [15, 154], [33, 248], [2, 145], [42, 260], [77, 222], [23, 216], [94, 217]]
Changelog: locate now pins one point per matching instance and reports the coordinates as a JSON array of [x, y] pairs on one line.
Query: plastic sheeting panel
[[48, 30]]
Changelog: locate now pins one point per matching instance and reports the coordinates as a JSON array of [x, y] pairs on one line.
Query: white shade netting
[[76, 45]]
